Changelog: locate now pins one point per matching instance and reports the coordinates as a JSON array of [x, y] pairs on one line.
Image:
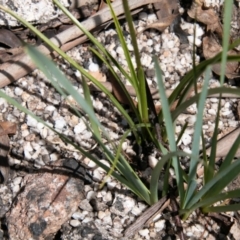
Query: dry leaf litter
[[38, 156]]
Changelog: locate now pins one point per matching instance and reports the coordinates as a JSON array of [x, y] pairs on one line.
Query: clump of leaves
[[158, 128]]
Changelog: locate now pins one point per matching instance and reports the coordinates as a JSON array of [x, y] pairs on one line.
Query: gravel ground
[[35, 150]]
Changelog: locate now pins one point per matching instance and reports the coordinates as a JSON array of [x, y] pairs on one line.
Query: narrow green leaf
[[227, 208], [89, 102], [169, 128], [125, 49], [227, 175], [216, 198], [192, 100], [47, 67], [142, 99], [209, 171], [196, 141], [228, 5], [157, 171]]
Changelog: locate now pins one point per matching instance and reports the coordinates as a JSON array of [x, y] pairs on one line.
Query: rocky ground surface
[[53, 191]]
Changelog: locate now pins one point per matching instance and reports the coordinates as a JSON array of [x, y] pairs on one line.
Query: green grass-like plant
[[190, 198]]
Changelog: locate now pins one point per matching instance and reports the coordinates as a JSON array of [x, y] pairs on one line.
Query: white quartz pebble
[[93, 67], [75, 223], [160, 225], [186, 139], [80, 127]]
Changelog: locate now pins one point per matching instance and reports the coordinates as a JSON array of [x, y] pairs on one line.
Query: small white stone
[[183, 61], [186, 139], [205, 127], [80, 127], [199, 31], [214, 106], [93, 67], [178, 129], [16, 188], [107, 197], [107, 220], [111, 185], [136, 211], [227, 105], [27, 155], [97, 105], [3, 102], [36, 154], [31, 122], [128, 204], [233, 123], [85, 205], [91, 195], [75, 223], [120, 51], [97, 175], [60, 123], [54, 157], [27, 147], [213, 100], [113, 135], [25, 133], [143, 16], [40, 126], [212, 112], [117, 224], [160, 225], [79, 215], [152, 17], [18, 91], [187, 150], [44, 133], [89, 163], [101, 214], [144, 233], [130, 47], [35, 145], [17, 180], [191, 120], [87, 219], [124, 146], [146, 59], [149, 42], [226, 113], [152, 161], [197, 41], [170, 44]]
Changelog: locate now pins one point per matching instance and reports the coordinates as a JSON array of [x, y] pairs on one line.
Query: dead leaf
[[118, 91], [211, 48], [101, 77], [8, 127], [9, 39], [143, 219], [167, 11], [206, 16], [10, 44]]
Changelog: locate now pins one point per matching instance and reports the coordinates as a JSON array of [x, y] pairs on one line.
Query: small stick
[[140, 222]]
